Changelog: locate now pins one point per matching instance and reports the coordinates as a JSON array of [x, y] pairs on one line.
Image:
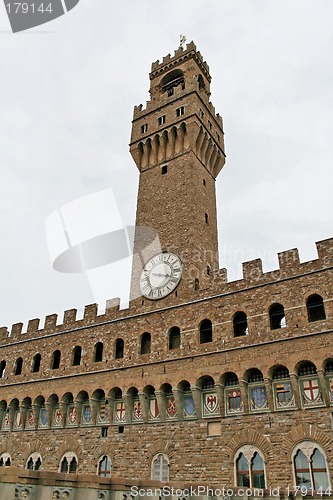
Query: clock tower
[[177, 143]]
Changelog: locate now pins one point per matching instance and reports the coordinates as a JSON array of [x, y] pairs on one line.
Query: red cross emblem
[[311, 390], [120, 411]]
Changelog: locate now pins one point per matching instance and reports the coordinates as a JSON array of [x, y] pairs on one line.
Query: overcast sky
[[68, 89]]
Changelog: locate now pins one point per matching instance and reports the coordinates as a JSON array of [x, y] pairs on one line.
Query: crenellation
[[50, 323], [166, 59], [252, 271], [3, 333], [33, 326], [90, 314], [325, 251], [16, 330], [289, 262], [69, 318]]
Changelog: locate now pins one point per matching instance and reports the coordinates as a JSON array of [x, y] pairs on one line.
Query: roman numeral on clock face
[[161, 275]]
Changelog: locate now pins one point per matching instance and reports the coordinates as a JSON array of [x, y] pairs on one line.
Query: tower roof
[[168, 62]]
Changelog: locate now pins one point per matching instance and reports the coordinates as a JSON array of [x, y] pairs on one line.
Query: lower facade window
[[160, 468], [310, 467], [104, 467], [68, 463], [34, 462], [250, 468]]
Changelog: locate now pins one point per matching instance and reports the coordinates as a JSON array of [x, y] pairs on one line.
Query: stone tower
[[177, 144]]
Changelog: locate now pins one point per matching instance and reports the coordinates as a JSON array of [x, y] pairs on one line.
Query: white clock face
[[160, 275]]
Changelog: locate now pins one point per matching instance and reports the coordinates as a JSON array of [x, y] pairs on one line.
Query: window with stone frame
[[98, 352], [310, 467], [5, 460], [240, 324], [160, 468], [277, 317], [35, 367], [18, 366], [77, 353], [145, 343], [119, 349], [174, 337], [34, 462], [104, 466], [68, 463], [2, 368], [55, 363], [315, 307], [250, 467], [206, 331]]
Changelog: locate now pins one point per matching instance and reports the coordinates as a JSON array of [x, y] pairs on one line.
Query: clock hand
[[161, 274]]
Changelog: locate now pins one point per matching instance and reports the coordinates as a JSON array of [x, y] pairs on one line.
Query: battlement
[[179, 55], [253, 276]]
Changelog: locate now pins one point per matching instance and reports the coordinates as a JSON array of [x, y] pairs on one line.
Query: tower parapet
[[253, 276]]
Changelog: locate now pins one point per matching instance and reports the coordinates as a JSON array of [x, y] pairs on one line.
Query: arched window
[[174, 337], [310, 466], [18, 366], [36, 363], [68, 463], [104, 466], [98, 352], [119, 351], [160, 468], [145, 343], [240, 324], [55, 360], [172, 80], [315, 307], [206, 331], [2, 368], [277, 317], [34, 462], [77, 355], [5, 460], [250, 467]]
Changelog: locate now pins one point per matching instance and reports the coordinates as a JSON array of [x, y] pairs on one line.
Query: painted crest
[[43, 417], [72, 415], [6, 421], [283, 393], [18, 419], [137, 411], [31, 418], [120, 411], [210, 406], [258, 398], [153, 408], [171, 408], [57, 417], [87, 414], [102, 414], [189, 408], [311, 391], [234, 401]]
